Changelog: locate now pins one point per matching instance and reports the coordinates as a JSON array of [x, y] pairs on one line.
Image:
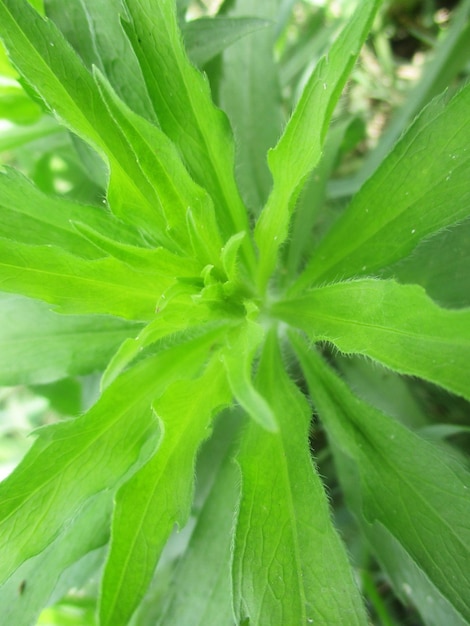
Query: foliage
[[223, 296]]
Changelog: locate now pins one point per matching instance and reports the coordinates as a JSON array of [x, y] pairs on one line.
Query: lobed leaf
[[159, 495], [40, 346], [289, 565], [420, 188], [398, 325], [299, 149], [409, 487]]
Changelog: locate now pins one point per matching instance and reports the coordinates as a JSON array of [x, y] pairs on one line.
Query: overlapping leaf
[[398, 325], [289, 566], [420, 188], [409, 487], [299, 149], [159, 495]]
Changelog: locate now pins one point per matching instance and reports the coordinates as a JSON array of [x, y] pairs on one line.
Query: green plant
[[189, 310]]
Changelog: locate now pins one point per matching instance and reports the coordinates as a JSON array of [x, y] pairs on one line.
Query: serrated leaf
[[33, 217], [398, 325], [289, 566], [251, 96], [74, 460], [39, 346], [299, 148], [415, 490], [159, 495], [420, 188], [74, 285], [207, 37], [181, 98], [94, 29]]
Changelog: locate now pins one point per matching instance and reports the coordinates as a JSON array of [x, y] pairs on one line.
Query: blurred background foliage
[[417, 48]]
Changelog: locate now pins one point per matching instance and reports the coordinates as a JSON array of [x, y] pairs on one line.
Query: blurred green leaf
[[41, 346]]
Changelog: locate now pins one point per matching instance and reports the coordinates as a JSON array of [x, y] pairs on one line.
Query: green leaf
[[237, 357], [74, 460], [420, 188], [441, 265], [105, 286], [398, 325], [17, 136], [31, 587], [160, 494], [173, 189], [181, 98], [32, 217], [94, 29], [16, 106], [411, 488], [289, 565], [41, 346], [207, 37], [41, 54], [205, 600], [299, 148], [251, 96]]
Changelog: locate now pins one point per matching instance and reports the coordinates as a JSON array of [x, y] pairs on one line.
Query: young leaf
[[420, 188], [184, 108], [159, 495], [289, 566], [299, 148], [398, 325], [40, 346], [238, 357], [413, 489]]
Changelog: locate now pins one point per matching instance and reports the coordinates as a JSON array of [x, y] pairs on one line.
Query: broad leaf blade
[[39, 346], [159, 495], [420, 188], [299, 148], [408, 486], [286, 551], [105, 286], [398, 325]]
